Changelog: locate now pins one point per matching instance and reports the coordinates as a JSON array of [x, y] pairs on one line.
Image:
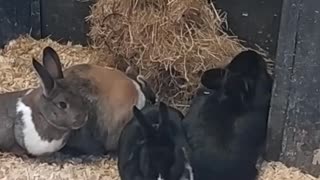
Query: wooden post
[[255, 21], [294, 121], [64, 20], [19, 17]]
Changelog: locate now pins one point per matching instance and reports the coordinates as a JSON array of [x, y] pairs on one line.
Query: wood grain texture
[[255, 21], [19, 17], [65, 20], [294, 125]]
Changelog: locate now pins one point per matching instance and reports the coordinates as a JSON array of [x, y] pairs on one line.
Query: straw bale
[[15, 65], [171, 42]]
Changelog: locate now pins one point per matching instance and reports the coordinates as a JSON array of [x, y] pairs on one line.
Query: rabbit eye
[[62, 105]]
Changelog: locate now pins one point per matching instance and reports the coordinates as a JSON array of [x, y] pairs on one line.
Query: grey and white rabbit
[[38, 121], [111, 95]]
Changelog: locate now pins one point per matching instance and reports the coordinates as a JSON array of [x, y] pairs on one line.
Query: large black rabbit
[[111, 95], [38, 121], [227, 121], [152, 145]]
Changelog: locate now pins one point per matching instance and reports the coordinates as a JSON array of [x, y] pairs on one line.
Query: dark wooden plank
[[65, 19], [283, 72], [35, 19], [255, 21], [18, 17], [302, 132]]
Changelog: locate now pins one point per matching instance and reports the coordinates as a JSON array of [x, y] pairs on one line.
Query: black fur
[[151, 144], [226, 123]]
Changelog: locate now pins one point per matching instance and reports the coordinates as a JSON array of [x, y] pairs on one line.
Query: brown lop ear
[[46, 81], [52, 63]]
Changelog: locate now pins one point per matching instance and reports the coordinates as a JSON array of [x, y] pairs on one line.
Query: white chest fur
[[141, 97], [159, 177], [189, 176], [190, 172], [33, 143]]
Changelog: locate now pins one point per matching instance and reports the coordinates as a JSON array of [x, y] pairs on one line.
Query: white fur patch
[[189, 168], [159, 177], [206, 92], [34, 144], [141, 97]]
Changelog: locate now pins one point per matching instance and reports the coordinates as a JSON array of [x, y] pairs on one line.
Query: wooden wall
[[294, 120]]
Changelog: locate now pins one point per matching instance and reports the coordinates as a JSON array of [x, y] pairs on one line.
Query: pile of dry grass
[[169, 41], [16, 74]]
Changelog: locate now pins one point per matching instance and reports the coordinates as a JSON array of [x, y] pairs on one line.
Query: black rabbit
[[226, 123], [152, 145]]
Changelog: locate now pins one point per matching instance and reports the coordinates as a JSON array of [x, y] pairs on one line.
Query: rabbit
[[111, 95], [227, 120], [37, 122], [152, 145]]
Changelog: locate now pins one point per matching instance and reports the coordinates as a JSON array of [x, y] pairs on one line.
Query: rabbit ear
[[213, 78], [164, 114], [51, 62], [46, 81], [247, 63], [142, 120]]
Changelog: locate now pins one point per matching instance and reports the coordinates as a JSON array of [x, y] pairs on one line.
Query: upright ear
[[247, 63], [163, 113], [213, 78], [51, 62], [147, 127], [46, 81]]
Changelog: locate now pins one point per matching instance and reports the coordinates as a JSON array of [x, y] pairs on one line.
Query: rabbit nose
[[79, 121]]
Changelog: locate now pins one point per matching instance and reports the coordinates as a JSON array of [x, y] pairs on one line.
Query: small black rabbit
[[152, 145], [38, 121], [226, 123]]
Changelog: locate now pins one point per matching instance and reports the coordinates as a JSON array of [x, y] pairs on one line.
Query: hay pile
[[170, 41], [16, 73]]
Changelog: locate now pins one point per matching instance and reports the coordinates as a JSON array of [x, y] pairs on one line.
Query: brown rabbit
[[111, 96], [38, 121]]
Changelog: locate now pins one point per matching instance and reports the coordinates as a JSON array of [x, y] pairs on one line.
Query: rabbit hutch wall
[[287, 31]]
